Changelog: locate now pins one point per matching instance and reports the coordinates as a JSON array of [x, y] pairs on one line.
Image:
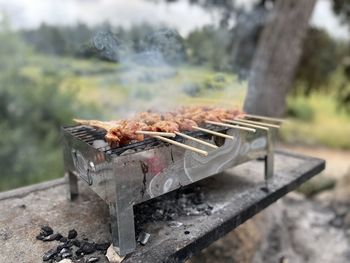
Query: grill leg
[[123, 228], [269, 159], [72, 186]]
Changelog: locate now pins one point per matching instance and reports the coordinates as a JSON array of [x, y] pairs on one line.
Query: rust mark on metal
[[144, 169]]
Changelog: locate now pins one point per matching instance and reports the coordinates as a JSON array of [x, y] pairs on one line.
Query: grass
[[119, 90], [329, 126]]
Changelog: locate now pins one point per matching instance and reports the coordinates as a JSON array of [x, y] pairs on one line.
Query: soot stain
[[171, 155], [144, 169]]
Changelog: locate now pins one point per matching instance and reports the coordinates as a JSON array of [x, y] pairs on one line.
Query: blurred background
[[107, 59]]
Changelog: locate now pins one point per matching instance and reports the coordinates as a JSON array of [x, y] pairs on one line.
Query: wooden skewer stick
[[197, 140], [259, 123], [247, 124], [264, 118], [231, 126], [165, 134], [213, 132], [185, 146]]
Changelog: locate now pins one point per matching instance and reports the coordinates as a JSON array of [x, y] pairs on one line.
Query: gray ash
[[188, 201]]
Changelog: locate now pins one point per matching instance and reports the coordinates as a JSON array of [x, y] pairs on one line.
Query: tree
[[320, 58], [277, 56]]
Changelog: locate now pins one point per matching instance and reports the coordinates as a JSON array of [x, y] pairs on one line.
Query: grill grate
[[90, 135]]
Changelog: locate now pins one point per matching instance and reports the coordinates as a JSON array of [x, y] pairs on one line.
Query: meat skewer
[[231, 126], [168, 124], [259, 123], [182, 145], [214, 133], [197, 140], [264, 118], [248, 125], [165, 134]]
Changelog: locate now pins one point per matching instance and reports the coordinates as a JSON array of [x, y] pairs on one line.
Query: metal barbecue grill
[[140, 171]]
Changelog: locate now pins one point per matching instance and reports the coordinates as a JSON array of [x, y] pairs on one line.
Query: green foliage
[[32, 110], [300, 109], [30, 120], [320, 58], [329, 127], [208, 46], [342, 7]]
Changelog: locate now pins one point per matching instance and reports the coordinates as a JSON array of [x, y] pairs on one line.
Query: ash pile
[[188, 201]]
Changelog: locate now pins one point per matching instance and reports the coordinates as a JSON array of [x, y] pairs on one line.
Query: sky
[[181, 15]]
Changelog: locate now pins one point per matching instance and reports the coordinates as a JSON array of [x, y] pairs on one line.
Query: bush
[[32, 113], [299, 108]]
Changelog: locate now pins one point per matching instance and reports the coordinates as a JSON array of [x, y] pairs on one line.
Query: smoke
[[142, 71], [155, 74]]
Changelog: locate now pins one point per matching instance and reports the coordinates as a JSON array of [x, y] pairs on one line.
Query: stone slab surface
[[235, 196]]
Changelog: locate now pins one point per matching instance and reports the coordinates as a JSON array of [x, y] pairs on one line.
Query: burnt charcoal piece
[[46, 231], [58, 236], [76, 242], [63, 239], [93, 259], [63, 245], [79, 252], [64, 250], [102, 246], [51, 237], [49, 254], [264, 189], [88, 248], [57, 258], [72, 234], [39, 237], [67, 255], [143, 238]]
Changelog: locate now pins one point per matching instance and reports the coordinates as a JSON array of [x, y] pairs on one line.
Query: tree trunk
[[277, 56]]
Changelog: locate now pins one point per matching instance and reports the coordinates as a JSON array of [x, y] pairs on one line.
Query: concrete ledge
[[235, 196], [23, 191]]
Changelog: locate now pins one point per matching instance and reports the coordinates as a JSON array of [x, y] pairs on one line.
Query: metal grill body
[[141, 171]]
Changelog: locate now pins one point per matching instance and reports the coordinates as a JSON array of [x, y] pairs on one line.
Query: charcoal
[[79, 252], [64, 250], [76, 242], [67, 255], [49, 254], [102, 246], [58, 236], [93, 259], [51, 237], [46, 230], [72, 234], [88, 248], [208, 212], [39, 237], [63, 239], [63, 245], [143, 238]]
